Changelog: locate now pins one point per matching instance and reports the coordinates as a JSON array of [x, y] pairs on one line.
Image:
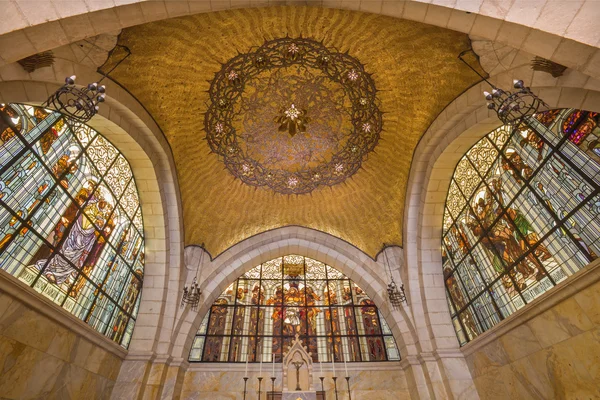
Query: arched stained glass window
[[70, 218], [259, 314], [522, 214]]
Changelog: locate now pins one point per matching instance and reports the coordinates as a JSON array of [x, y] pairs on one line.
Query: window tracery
[[522, 214], [258, 316], [70, 218]]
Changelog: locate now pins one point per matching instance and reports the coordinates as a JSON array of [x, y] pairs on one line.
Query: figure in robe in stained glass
[[372, 328], [6, 132], [82, 235], [499, 238]]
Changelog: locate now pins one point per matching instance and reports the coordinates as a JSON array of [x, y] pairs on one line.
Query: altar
[[297, 373], [299, 396]]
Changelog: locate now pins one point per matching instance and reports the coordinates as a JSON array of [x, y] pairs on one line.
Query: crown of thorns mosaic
[[293, 115]]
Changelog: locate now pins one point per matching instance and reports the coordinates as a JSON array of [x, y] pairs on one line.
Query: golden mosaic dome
[[413, 66]]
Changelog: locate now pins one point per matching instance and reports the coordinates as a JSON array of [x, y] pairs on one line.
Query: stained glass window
[[258, 316], [522, 214], [70, 219]]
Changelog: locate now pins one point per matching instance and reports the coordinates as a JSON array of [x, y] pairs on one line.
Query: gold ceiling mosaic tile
[[414, 67]]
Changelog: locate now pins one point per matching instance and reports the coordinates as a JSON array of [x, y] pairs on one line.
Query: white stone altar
[[297, 373], [299, 396]]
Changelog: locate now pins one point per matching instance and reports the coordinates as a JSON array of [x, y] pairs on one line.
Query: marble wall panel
[[554, 355], [42, 359], [228, 385]]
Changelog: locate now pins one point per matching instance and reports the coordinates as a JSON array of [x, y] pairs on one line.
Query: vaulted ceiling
[[414, 66]]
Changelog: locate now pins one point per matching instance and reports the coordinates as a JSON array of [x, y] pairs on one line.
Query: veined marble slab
[[299, 396]]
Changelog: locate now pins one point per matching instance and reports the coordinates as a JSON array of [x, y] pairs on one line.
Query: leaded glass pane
[[530, 221], [258, 316], [63, 230]]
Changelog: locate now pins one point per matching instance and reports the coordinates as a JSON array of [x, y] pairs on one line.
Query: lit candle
[[346, 366], [321, 364], [260, 372], [273, 365], [246, 373], [333, 364]]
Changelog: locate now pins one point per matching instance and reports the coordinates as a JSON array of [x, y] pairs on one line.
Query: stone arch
[[563, 31], [367, 273], [436, 156], [122, 122]]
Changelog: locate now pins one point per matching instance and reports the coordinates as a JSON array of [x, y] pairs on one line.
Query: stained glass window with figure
[[70, 218], [258, 316], [522, 215]]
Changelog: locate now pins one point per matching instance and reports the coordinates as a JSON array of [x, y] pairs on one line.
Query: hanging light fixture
[[514, 106], [192, 293], [396, 293], [81, 103], [510, 107]]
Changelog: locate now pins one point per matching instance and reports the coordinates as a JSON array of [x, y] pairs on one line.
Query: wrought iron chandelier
[[510, 107], [80, 104], [301, 90], [396, 294], [191, 294]]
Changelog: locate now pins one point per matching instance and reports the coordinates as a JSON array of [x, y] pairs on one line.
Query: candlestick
[[245, 381], [322, 389], [260, 378], [348, 383], [335, 387], [272, 388]]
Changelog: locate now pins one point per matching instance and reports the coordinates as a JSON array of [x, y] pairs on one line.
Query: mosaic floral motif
[[67, 197], [293, 115], [522, 214], [257, 317]]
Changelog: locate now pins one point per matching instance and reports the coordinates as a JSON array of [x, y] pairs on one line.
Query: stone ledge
[[23, 293], [564, 290], [327, 367]]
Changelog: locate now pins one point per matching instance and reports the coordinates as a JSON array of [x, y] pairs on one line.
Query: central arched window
[[522, 214], [70, 218], [259, 314]]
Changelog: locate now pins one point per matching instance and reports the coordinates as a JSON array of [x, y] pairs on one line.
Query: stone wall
[[374, 382], [550, 350], [48, 354]]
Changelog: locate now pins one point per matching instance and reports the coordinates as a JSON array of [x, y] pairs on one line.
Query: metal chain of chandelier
[[229, 85]]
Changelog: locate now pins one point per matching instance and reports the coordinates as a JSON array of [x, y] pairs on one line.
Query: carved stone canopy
[[297, 367]]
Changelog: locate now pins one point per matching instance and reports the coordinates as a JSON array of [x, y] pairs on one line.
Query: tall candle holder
[[245, 382], [348, 383], [260, 378], [322, 389], [272, 388], [335, 387]]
